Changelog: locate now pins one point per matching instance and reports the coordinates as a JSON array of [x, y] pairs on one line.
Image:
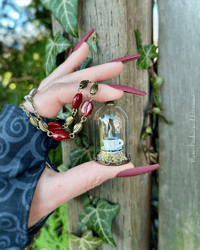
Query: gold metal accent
[[49, 133], [77, 128], [110, 103], [83, 119], [38, 122], [71, 135], [26, 111], [69, 120], [94, 89], [43, 126], [83, 84], [34, 121], [73, 112], [112, 158]]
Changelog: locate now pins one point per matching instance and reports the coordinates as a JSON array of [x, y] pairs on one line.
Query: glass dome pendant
[[111, 135]]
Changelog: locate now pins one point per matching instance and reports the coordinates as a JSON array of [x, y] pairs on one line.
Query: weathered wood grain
[[179, 180], [114, 22]]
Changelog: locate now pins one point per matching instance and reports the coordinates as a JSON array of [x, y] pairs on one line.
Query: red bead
[[77, 100], [86, 108], [53, 126], [60, 135]]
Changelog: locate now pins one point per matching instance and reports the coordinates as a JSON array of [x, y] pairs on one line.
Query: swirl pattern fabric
[[23, 156]]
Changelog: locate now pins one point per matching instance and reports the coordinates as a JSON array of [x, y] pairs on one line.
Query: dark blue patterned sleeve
[[23, 156]]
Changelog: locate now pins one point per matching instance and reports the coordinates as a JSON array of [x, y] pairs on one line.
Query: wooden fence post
[[114, 23], [179, 174]]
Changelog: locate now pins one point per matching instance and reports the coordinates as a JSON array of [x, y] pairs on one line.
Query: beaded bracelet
[[55, 129]]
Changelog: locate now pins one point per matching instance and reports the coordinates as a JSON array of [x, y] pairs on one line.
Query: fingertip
[[118, 66], [84, 47], [121, 66], [118, 93]]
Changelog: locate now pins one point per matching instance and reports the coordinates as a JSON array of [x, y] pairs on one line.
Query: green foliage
[[7, 96], [63, 115], [66, 12], [63, 167], [156, 83], [21, 71], [54, 234], [81, 155], [155, 110], [85, 64], [87, 241], [93, 45], [82, 226], [147, 52], [149, 130], [54, 46], [55, 155], [99, 219]]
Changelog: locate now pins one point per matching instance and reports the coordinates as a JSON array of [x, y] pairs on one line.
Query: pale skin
[[53, 188]]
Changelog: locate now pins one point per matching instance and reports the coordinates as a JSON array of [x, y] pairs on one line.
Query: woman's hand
[[59, 88]]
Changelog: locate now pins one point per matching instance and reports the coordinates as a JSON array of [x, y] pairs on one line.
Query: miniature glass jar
[[111, 135]]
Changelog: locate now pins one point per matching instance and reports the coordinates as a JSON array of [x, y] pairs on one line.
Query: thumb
[[117, 169], [103, 173]]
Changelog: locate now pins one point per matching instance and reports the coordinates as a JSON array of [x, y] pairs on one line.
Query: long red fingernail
[[128, 89], [88, 34], [137, 171], [126, 59]]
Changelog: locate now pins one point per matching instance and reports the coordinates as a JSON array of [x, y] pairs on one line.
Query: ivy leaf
[[80, 155], [49, 236], [85, 138], [66, 12], [93, 46], [63, 167], [86, 201], [99, 219], [146, 52], [95, 200], [63, 115], [55, 155], [156, 82], [82, 226], [77, 141], [85, 63], [92, 42], [54, 46], [150, 51], [87, 241]]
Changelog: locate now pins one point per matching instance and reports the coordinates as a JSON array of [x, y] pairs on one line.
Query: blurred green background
[[23, 33]]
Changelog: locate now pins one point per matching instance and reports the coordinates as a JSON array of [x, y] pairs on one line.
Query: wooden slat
[[114, 22], [179, 180]]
